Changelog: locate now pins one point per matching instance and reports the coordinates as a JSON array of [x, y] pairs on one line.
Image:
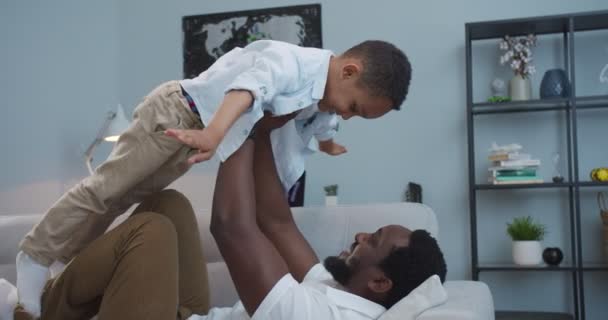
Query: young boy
[[184, 122]]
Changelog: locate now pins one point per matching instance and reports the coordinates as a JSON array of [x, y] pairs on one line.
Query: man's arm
[[273, 213], [254, 264]]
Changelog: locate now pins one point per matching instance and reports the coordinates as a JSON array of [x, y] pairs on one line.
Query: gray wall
[[65, 64]]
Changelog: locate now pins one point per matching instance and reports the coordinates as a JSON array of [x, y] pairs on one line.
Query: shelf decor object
[[518, 54], [555, 84]]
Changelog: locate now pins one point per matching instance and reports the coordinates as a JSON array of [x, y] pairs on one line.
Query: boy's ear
[[351, 70]]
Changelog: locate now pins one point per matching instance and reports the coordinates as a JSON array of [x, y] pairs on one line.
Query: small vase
[[520, 88], [331, 200], [527, 253], [553, 256], [555, 84]]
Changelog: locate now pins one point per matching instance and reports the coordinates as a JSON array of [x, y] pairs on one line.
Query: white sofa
[[329, 230]]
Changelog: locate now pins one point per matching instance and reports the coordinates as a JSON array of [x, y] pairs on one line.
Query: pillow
[[427, 295]]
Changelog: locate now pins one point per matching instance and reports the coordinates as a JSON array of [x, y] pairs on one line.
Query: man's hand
[[203, 140], [270, 122], [332, 148]]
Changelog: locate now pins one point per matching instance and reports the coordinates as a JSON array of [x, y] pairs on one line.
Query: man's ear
[[380, 283]]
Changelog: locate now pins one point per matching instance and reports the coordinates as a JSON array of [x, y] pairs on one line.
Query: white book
[[517, 163], [495, 148], [508, 156], [531, 181], [501, 168]]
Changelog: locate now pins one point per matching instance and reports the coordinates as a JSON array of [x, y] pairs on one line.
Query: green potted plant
[[331, 195], [526, 235]]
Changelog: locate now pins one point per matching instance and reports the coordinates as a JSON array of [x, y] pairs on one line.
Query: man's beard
[[338, 268]]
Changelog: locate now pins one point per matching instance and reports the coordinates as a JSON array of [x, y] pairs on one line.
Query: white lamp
[[113, 126]]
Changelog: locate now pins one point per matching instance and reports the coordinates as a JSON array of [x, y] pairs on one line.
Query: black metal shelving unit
[[567, 25]]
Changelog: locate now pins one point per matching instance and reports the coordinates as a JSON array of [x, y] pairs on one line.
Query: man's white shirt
[[318, 297]]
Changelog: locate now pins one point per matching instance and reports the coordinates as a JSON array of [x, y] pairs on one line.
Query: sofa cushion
[[428, 294], [467, 300]]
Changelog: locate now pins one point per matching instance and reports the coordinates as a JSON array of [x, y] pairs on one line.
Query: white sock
[[31, 278], [8, 299]]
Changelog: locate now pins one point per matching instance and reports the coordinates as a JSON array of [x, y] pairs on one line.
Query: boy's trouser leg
[[143, 269], [85, 211]]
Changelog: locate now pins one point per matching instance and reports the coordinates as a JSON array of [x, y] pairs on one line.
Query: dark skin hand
[[257, 255]]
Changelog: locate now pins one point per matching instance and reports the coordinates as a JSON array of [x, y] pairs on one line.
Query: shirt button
[[300, 104], [263, 89], [245, 132]]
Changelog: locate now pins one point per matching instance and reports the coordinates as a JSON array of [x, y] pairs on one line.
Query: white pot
[[520, 88], [527, 253], [331, 200]]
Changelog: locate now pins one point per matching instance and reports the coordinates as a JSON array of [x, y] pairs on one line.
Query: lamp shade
[[118, 124]]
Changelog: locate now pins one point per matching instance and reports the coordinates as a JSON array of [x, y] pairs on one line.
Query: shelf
[[583, 21], [513, 267], [592, 102], [593, 184], [593, 21], [595, 266], [575, 110], [522, 186], [531, 315], [521, 106], [517, 27], [487, 186]]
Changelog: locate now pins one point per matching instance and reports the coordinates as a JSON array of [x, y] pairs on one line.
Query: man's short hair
[[386, 70], [410, 266]]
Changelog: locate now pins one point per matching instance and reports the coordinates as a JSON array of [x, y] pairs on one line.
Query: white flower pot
[[520, 88], [331, 200], [527, 253]]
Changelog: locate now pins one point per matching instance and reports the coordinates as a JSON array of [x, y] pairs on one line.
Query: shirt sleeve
[[327, 127], [274, 71], [318, 273]]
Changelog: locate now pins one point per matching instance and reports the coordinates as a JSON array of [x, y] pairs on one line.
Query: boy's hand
[[202, 140], [332, 148]]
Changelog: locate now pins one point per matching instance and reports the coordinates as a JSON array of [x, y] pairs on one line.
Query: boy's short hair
[[410, 266], [386, 70]]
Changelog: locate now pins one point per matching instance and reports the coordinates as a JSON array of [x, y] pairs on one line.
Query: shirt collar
[[355, 303], [320, 81]]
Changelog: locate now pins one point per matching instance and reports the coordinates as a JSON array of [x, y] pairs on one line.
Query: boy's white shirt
[[283, 78]]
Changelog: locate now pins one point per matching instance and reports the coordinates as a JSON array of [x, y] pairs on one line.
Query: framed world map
[[207, 37]]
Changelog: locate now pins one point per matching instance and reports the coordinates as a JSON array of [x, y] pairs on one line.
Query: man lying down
[[152, 265]]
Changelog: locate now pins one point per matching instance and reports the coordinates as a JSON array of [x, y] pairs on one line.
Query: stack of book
[[510, 166]]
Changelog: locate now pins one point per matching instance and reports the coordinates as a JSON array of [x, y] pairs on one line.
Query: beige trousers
[[149, 267], [143, 161]]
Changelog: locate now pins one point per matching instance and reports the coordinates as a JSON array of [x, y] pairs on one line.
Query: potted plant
[[518, 54], [526, 235], [331, 195]]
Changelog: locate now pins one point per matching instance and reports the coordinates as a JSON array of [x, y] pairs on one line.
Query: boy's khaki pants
[[149, 267], [143, 160]]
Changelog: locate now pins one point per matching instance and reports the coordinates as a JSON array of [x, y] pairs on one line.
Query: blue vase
[[555, 84]]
